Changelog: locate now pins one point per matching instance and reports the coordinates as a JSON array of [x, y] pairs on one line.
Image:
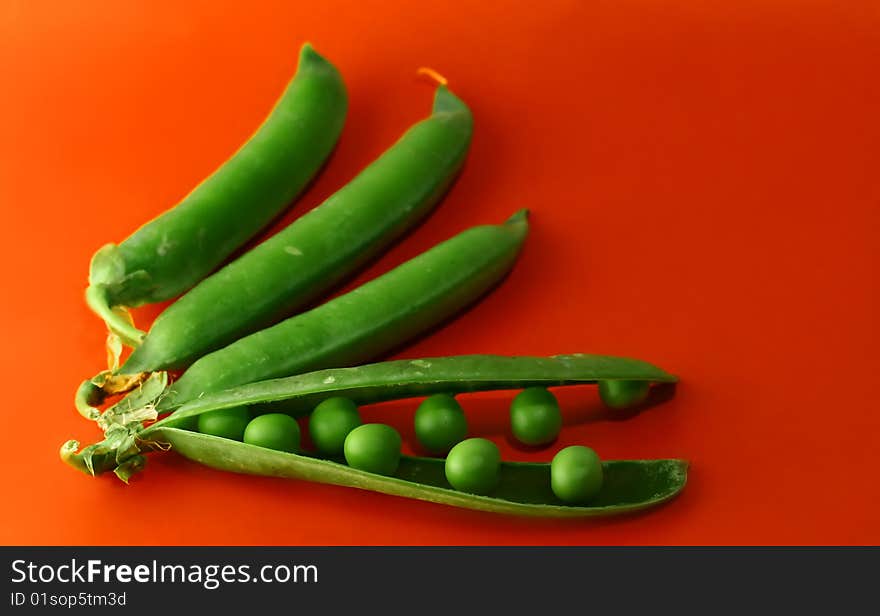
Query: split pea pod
[[400, 379], [297, 265], [174, 251], [523, 489], [372, 319]]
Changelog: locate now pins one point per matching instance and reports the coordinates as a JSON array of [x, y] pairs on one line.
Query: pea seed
[[623, 394], [226, 423], [273, 431], [473, 466], [535, 418], [576, 474], [331, 422], [440, 423], [374, 448]]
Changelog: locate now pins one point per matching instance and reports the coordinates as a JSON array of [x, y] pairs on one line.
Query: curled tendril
[[122, 448]]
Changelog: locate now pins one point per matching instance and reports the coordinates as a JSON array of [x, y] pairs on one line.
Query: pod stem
[[94, 391], [433, 75], [118, 319], [123, 446], [121, 451]]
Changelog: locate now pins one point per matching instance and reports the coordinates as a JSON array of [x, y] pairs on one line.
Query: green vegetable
[[374, 448], [226, 423], [523, 489], [330, 423], [473, 466], [576, 474], [440, 423], [623, 394], [171, 253], [374, 318], [273, 431], [395, 380], [319, 249], [535, 418]]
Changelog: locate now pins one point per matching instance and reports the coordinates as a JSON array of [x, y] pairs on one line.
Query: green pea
[[374, 448], [576, 474], [623, 394], [273, 431], [226, 423], [330, 423], [440, 423], [473, 466], [535, 418]]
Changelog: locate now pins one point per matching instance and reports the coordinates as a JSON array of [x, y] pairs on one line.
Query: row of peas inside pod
[[472, 464]]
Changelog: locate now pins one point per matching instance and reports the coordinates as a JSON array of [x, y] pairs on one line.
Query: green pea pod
[[374, 318], [171, 253], [297, 265], [524, 488], [409, 378]]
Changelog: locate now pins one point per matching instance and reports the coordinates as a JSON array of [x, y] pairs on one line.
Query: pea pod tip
[[447, 102], [520, 216], [309, 56]]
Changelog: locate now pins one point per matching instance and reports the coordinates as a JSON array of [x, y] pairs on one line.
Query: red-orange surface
[[705, 187]]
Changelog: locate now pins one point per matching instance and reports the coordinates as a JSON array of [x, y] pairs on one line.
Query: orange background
[[704, 188]]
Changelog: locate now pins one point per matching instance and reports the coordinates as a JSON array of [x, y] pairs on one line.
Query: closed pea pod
[[171, 253], [522, 488], [357, 326], [373, 318], [295, 266]]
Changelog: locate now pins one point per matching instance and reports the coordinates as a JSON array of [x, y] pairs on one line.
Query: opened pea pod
[[522, 488], [174, 251]]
